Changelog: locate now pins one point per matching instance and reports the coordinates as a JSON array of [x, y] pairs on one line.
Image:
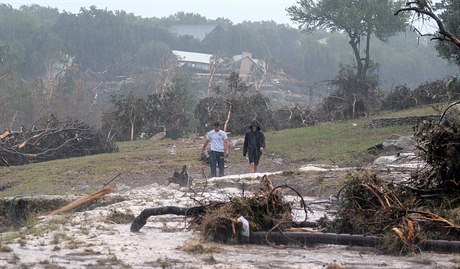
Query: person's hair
[[216, 124]]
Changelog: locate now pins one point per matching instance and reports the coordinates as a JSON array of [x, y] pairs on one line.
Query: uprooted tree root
[[366, 206], [263, 213]]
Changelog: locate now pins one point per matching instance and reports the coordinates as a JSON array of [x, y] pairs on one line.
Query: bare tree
[[263, 71], [168, 73], [216, 62]]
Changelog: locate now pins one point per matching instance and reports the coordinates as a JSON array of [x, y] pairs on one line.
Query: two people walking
[[254, 146]]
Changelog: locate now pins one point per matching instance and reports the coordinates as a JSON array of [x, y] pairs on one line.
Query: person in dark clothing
[[254, 145]]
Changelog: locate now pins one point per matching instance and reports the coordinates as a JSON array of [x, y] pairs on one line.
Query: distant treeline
[[32, 36]]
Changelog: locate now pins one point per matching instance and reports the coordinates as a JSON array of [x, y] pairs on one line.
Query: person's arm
[[262, 142], [205, 145]]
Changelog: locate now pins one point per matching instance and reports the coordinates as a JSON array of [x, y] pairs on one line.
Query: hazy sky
[[234, 10]]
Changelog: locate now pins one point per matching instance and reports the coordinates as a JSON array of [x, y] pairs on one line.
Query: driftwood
[[57, 141], [83, 200], [182, 178]]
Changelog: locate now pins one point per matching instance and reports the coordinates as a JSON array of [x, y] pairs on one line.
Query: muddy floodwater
[[96, 238]]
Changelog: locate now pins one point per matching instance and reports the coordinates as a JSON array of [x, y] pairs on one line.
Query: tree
[[216, 62], [168, 107], [15, 101], [127, 117], [360, 19], [24, 42], [235, 106]]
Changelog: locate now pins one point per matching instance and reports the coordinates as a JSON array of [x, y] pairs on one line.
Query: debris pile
[[440, 148], [264, 211], [55, 141]]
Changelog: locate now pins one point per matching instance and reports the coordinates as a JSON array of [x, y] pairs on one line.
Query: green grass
[[133, 158], [435, 109], [335, 143], [329, 143]]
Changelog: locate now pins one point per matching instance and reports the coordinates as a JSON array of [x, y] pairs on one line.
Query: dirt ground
[[99, 236]]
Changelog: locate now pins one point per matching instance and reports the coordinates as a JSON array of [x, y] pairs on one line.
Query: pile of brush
[[406, 214], [54, 141]]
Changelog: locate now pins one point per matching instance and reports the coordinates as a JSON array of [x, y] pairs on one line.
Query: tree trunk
[[354, 42], [229, 116], [304, 238], [212, 70], [367, 58], [132, 129]]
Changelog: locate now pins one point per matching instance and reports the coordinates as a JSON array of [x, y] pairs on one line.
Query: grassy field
[[335, 143], [329, 143], [326, 143], [134, 160]]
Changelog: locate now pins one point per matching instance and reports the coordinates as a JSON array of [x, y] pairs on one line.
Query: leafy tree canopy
[[357, 18]]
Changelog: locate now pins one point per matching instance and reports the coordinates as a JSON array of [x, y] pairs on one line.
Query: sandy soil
[[100, 237]]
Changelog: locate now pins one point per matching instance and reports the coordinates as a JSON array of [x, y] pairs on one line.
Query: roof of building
[[196, 57], [186, 56], [237, 58], [198, 31]]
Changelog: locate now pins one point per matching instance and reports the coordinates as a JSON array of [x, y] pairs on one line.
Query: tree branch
[[442, 31]]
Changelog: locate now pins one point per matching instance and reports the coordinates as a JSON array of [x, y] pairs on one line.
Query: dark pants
[[217, 158]]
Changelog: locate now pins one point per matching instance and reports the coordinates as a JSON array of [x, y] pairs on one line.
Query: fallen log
[[141, 220], [83, 200], [6, 133]]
